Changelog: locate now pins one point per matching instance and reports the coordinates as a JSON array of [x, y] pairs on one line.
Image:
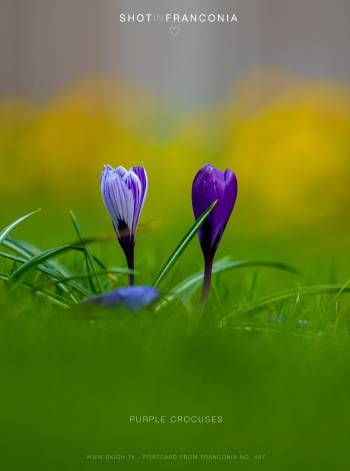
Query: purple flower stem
[[127, 243], [131, 264], [208, 262]]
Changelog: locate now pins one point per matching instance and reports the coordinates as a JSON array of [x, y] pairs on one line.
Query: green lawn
[[270, 355]]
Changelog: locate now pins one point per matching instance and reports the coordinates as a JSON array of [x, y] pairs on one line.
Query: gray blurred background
[[46, 45]]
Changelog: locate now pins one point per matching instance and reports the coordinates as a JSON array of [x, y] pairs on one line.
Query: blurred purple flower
[[209, 185], [133, 298], [124, 193]]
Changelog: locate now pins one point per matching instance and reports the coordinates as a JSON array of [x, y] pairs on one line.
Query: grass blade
[[52, 297], [285, 295], [40, 258], [51, 268], [20, 247], [111, 271], [340, 292], [6, 231], [60, 279], [194, 281], [12, 257], [183, 244], [89, 260]]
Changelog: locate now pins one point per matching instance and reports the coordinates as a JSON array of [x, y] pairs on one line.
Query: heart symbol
[[174, 30]]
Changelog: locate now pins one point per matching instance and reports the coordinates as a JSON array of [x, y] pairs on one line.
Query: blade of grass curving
[[340, 292], [12, 257], [52, 297], [28, 251], [285, 295], [49, 296], [51, 268], [59, 279], [42, 268], [89, 260], [194, 281], [99, 263], [61, 282], [6, 231], [78, 231], [18, 247], [118, 271], [40, 258], [26, 255], [110, 275], [183, 244]]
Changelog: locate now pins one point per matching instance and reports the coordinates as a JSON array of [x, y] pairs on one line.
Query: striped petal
[[124, 193]]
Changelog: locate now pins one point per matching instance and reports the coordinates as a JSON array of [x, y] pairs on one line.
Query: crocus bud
[[132, 298], [124, 193], [209, 185]]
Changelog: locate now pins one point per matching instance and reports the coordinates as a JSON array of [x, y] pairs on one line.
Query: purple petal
[[124, 194], [140, 172], [230, 195], [142, 175], [132, 298], [208, 186], [211, 184], [133, 184], [114, 193]]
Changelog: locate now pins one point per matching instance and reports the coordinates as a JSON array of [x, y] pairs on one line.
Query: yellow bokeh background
[[288, 140]]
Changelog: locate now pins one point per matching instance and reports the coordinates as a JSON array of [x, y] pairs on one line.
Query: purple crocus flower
[[209, 185], [132, 298], [124, 193]]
